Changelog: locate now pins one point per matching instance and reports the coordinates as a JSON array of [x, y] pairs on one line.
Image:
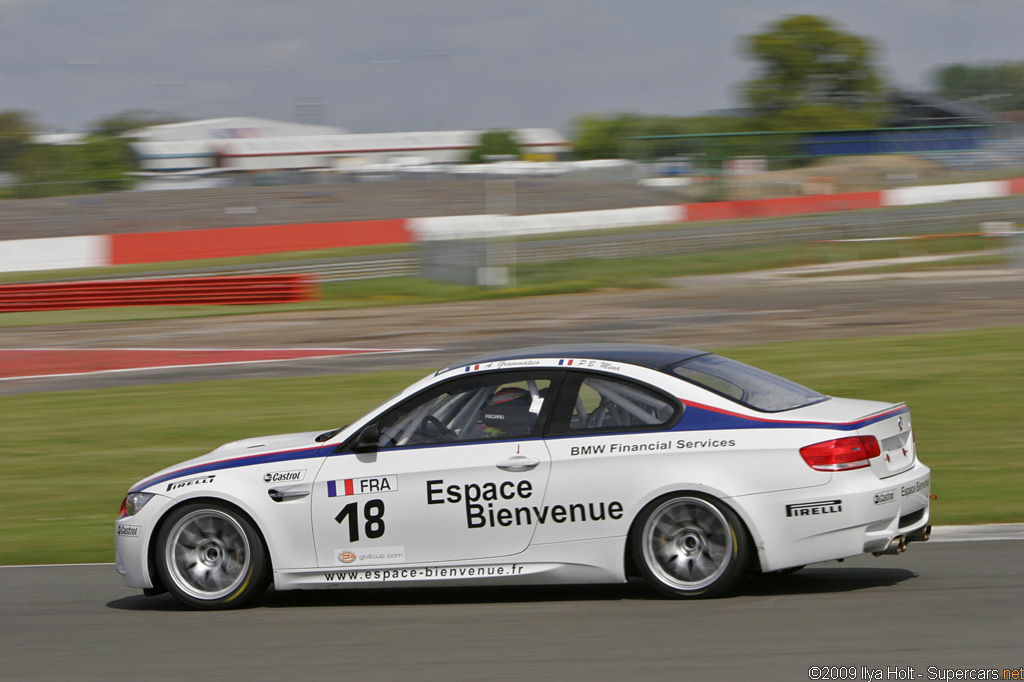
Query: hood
[[253, 448], [285, 441]]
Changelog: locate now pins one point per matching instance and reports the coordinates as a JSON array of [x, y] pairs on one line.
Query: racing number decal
[[373, 512]]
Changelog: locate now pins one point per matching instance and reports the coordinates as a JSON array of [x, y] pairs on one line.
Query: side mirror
[[368, 439]]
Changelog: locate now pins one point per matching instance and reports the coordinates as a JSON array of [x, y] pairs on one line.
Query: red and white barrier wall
[[229, 242], [475, 226], [56, 253], [934, 194], [59, 253], [154, 247]]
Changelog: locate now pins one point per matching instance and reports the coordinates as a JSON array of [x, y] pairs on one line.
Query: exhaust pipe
[[896, 546], [921, 534]]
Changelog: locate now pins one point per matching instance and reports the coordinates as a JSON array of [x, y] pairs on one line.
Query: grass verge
[[68, 458]]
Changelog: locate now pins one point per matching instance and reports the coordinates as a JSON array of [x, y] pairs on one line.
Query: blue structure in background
[[915, 140]]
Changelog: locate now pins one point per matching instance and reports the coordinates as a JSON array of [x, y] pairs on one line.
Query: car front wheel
[[689, 545], [210, 557]]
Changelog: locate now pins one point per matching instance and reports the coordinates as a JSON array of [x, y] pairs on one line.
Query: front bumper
[[133, 536]]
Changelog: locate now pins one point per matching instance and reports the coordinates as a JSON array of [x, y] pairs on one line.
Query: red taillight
[[841, 454], [124, 509]]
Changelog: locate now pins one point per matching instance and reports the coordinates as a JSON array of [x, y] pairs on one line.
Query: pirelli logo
[[814, 508], [201, 480]]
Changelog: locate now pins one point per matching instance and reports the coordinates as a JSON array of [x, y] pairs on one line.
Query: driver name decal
[[591, 364]]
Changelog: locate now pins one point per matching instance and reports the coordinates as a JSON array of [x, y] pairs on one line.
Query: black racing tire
[[210, 556], [690, 545]]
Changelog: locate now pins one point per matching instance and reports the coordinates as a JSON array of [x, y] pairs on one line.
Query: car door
[[451, 475], [605, 438]]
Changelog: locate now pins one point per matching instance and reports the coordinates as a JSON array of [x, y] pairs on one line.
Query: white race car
[[558, 464]]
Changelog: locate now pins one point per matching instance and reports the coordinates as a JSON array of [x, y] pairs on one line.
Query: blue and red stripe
[[233, 463], [700, 417]]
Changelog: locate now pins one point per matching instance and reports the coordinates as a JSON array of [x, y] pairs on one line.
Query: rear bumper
[[854, 513], [914, 512]]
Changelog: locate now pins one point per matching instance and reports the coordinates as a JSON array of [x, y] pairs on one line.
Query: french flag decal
[[339, 488], [565, 362], [362, 486]]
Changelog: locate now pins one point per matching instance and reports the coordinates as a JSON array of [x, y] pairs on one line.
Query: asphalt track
[[940, 606]]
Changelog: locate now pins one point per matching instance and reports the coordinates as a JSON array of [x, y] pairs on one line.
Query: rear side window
[[598, 403], [746, 385]]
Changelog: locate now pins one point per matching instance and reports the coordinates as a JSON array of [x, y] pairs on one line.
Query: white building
[[253, 145]]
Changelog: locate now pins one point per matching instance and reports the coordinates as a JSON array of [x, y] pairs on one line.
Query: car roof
[[643, 355]]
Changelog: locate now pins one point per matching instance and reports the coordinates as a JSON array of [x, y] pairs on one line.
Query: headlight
[[133, 503]]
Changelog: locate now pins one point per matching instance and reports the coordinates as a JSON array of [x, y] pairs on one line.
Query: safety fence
[[217, 290]]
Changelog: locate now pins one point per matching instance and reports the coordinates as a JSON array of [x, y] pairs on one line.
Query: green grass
[[68, 458], [545, 279]]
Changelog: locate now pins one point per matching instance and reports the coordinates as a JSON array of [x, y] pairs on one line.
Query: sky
[[401, 65]]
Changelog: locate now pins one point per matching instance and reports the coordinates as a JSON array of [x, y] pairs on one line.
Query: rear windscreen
[[746, 385]]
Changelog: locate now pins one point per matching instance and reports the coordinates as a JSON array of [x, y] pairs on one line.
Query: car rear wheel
[[689, 545], [210, 557]]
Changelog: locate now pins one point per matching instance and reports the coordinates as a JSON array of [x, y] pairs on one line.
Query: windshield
[[746, 385]]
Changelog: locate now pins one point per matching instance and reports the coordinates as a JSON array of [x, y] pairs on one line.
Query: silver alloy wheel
[[207, 554], [688, 543]]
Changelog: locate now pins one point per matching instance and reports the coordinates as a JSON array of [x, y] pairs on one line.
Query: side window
[[477, 408], [608, 404]]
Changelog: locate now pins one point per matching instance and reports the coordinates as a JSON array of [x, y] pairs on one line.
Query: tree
[[494, 143], [126, 121], [100, 164], [993, 87], [16, 129], [602, 138], [597, 137], [812, 73]]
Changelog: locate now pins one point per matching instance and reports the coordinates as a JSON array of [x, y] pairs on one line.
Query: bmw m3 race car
[[558, 464]]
